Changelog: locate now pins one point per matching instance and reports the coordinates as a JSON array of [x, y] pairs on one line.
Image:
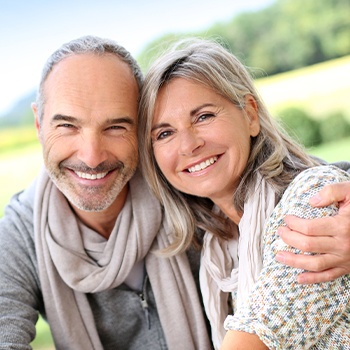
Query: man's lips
[[202, 165]]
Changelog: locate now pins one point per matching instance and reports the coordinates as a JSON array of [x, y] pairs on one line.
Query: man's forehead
[[89, 63], [89, 85], [91, 73]]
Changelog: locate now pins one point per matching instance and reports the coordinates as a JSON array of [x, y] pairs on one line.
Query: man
[[78, 245]]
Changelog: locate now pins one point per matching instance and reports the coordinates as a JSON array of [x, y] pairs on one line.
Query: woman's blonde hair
[[273, 154]]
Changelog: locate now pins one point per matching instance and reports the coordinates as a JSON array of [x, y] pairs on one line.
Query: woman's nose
[[190, 141]]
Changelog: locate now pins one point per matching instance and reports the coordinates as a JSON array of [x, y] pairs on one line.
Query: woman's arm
[[329, 236], [283, 313], [235, 340]]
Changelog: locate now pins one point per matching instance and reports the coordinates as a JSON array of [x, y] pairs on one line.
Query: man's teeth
[[91, 176], [203, 165]]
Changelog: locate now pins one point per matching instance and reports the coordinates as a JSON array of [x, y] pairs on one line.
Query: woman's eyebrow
[[192, 113], [195, 110], [160, 125]]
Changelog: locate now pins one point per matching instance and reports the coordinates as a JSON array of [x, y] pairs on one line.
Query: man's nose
[[92, 149]]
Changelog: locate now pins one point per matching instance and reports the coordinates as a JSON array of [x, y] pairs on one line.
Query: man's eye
[[65, 125], [116, 127]]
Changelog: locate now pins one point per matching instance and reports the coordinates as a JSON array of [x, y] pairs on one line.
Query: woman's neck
[[228, 208]]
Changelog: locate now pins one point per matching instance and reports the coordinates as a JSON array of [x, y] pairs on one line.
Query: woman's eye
[[205, 116], [164, 134]]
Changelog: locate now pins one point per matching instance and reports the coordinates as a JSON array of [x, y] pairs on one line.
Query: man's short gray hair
[[84, 45]]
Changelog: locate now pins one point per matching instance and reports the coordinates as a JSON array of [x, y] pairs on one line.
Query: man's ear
[[36, 120], [252, 110]]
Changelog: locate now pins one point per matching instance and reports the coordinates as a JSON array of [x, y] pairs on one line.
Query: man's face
[[89, 129]]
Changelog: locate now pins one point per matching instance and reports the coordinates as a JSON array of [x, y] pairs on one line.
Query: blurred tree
[[300, 126], [288, 34], [334, 127], [156, 48]]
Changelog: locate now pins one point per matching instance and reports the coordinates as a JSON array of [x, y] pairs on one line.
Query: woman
[[216, 160]]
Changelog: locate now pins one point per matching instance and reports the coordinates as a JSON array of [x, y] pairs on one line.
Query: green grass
[[333, 151], [19, 167], [43, 340], [11, 138]]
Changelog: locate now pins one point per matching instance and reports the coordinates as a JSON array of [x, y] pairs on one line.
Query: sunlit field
[[320, 89]]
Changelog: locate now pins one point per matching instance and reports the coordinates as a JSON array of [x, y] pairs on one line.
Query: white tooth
[[91, 176], [203, 165]]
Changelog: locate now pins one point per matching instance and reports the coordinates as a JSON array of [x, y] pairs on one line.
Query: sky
[[30, 30]]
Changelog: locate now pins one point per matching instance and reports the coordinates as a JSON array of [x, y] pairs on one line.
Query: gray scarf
[[67, 272]]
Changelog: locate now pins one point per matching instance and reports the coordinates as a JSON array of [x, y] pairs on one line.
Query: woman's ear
[[252, 111]]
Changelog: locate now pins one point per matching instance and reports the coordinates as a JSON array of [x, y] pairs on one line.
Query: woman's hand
[[329, 236]]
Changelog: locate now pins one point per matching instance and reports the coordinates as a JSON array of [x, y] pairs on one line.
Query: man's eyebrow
[[61, 117], [70, 119], [121, 120]]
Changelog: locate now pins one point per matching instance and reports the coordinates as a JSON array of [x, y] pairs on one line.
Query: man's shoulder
[[344, 165], [18, 214]]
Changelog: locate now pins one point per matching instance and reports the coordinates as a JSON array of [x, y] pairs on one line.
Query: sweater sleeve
[[283, 313], [19, 284]]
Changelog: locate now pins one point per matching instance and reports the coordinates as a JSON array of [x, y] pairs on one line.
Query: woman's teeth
[[203, 165]]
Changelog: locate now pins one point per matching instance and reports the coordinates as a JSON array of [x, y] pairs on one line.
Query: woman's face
[[201, 141]]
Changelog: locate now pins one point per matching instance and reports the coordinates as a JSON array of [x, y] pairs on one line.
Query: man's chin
[[91, 207], [92, 203]]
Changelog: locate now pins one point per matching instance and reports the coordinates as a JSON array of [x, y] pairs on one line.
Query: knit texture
[[285, 314]]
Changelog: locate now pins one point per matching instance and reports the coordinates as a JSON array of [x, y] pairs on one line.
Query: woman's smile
[[201, 143], [202, 165]]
